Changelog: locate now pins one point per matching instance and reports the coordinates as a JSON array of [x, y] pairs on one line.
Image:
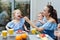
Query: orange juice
[[33, 31], [11, 31], [4, 33]]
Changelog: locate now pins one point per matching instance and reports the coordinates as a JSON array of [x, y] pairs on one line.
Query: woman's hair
[[13, 13], [52, 12]]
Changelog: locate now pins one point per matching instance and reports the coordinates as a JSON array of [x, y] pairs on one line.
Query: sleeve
[[10, 24], [22, 20], [49, 26]]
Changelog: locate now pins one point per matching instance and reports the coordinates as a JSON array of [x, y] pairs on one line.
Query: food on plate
[[20, 31], [42, 35]]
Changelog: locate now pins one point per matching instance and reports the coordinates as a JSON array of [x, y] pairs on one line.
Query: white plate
[[39, 36]]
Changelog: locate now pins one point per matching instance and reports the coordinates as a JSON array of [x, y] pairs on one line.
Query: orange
[[18, 37], [24, 36]]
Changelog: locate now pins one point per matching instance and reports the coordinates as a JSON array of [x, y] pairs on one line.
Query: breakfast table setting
[[23, 35]]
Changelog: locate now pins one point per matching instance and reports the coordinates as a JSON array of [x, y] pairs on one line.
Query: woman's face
[[18, 14], [45, 11]]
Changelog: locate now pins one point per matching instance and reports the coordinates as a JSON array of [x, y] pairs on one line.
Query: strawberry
[[42, 35]]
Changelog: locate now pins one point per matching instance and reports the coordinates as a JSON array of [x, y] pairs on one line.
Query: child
[[39, 22], [17, 22]]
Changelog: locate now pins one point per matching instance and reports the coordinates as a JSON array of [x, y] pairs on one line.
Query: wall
[[38, 5]]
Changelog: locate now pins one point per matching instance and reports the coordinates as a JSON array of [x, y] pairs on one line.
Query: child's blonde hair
[[13, 13]]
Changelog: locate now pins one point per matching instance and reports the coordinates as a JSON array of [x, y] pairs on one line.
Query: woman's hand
[[40, 29]]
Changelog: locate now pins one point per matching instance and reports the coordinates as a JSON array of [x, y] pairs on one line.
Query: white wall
[[38, 5]]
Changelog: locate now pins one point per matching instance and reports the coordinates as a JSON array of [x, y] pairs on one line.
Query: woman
[[51, 24]]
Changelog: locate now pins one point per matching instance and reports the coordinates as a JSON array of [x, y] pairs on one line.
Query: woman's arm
[[41, 21], [27, 20]]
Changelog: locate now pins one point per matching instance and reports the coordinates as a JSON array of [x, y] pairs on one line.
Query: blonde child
[[17, 22]]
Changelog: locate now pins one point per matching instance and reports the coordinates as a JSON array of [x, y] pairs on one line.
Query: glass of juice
[[33, 31], [10, 32], [4, 33]]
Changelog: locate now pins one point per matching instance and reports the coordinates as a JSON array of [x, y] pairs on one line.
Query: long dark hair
[[52, 12]]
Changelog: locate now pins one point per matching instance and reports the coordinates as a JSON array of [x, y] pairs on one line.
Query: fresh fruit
[[33, 31], [18, 37], [24, 36], [42, 35], [19, 30], [21, 37]]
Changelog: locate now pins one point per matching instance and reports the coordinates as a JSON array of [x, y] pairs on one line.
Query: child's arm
[[25, 28], [7, 28]]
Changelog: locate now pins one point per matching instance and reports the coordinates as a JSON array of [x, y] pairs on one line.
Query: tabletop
[[30, 37]]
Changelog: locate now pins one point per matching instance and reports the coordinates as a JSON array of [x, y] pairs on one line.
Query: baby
[[39, 22]]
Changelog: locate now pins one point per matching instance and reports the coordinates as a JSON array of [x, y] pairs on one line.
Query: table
[[30, 37]]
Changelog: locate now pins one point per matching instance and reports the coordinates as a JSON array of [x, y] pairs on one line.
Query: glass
[[33, 31], [4, 34], [10, 32]]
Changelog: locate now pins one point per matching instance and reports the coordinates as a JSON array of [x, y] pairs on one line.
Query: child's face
[[40, 16], [18, 14]]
